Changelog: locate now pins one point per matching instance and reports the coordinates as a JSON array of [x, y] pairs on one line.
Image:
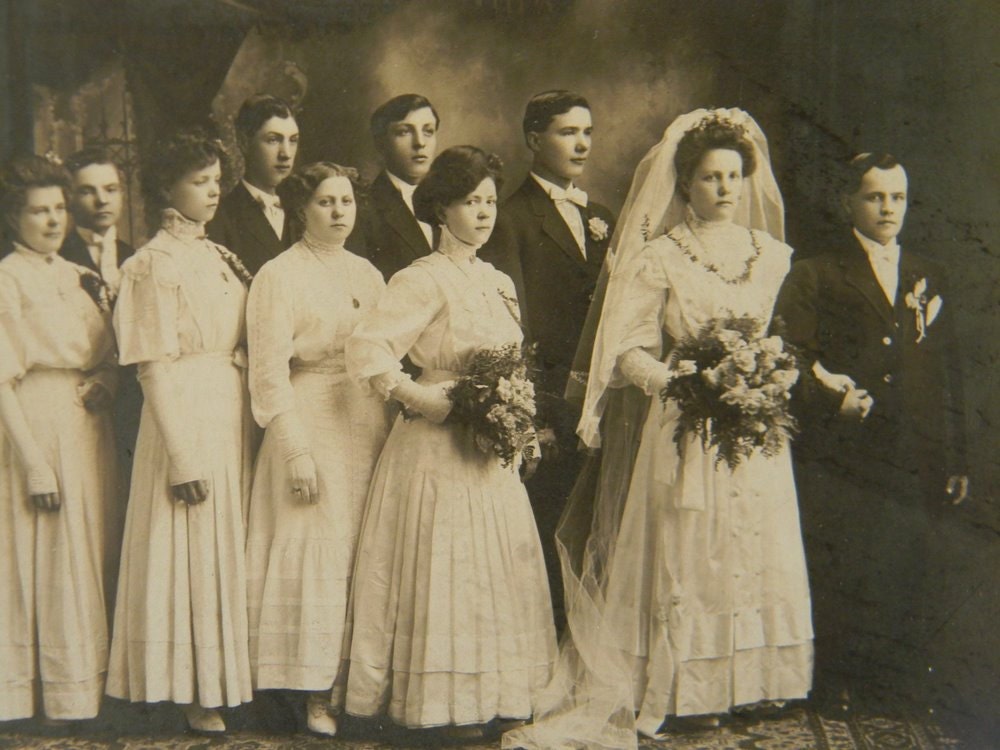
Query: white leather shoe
[[318, 716], [205, 720]]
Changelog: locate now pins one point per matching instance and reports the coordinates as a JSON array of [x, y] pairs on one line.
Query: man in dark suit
[[95, 201], [404, 130], [250, 220], [880, 457], [551, 240]]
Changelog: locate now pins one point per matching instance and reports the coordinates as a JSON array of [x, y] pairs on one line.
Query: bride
[[692, 597]]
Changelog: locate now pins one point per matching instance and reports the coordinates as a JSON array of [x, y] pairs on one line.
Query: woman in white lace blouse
[[323, 437], [180, 631], [452, 622], [59, 489]]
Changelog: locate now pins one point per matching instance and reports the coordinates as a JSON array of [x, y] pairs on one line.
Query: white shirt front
[[884, 260], [568, 202], [103, 251], [406, 191], [270, 205]]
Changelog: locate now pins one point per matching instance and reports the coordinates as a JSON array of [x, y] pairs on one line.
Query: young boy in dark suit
[[404, 130], [250, 221], [880, 456], [95, 202], [551, 239]]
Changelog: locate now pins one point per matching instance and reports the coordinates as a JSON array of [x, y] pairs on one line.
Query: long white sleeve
[[41, 479], [645, 371], [160, 392]]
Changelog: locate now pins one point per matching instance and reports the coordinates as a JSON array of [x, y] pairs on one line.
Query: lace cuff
[[290, 434], [41, 480], [386, 382], [429, 400], [645, 371]]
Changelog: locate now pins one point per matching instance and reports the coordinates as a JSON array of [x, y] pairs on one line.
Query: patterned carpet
[[796, 729]]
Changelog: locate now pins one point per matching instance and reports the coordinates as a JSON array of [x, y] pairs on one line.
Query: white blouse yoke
[[304, 305], [47, 319], [187, 298], [440, 310]]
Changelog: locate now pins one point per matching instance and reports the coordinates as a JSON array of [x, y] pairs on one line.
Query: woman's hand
[[430, 401], [95, 396], [531, 456], [50, 501], [191, 493], [43, 488], [302, 477]]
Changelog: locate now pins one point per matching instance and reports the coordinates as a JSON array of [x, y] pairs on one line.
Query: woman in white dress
[[180, 630], [452, 623], [323, 437], [59, 499], [701, 603]]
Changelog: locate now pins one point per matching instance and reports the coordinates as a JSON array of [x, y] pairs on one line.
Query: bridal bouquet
[[733, 389], [496, 398]]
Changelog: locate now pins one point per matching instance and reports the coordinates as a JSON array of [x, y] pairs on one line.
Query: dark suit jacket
[[240, 226], [75, 250], [555, 284], [128, 403], [834, 308], [386, 233]]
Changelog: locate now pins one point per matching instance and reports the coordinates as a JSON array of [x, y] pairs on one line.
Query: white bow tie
[[572, 194], [888, 256], [269, 204]]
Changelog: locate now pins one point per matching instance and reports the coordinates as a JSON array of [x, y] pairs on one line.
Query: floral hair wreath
[[721, 117]]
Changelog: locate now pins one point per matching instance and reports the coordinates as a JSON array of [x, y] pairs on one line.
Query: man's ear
[[533, 140]]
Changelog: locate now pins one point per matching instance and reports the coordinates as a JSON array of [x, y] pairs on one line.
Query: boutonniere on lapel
[[598, 228], [98, 289], [925, 310]]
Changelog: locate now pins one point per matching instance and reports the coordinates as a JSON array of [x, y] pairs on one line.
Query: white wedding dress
[[707, 594]]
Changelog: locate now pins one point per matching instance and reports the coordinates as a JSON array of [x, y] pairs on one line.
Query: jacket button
[[887, 377], [887, 341]]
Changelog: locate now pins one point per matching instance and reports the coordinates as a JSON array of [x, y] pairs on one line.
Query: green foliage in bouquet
[[733, 386], [496, 398]]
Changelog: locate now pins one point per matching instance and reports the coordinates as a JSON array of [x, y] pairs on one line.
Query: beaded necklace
[[711, 267]]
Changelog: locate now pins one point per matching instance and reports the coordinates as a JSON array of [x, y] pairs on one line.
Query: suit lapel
[[75, 250], [397, 215], [859, 274], [252, 218], [909, 274], [125, 251], [552, 221]]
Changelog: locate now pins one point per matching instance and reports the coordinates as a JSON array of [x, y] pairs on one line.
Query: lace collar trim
[[317, 245], [177, 225], [456, 249]]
